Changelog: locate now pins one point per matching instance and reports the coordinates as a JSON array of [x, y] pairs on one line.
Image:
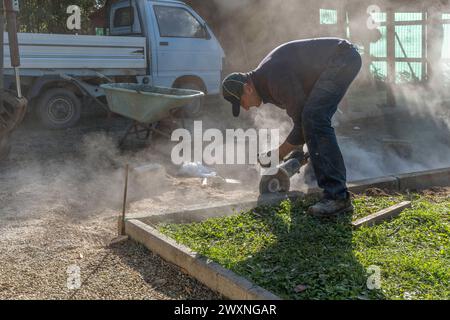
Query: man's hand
[[285, 149], [264, 159]]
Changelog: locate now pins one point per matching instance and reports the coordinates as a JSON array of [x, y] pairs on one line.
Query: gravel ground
[[60, 198], [121, 271]]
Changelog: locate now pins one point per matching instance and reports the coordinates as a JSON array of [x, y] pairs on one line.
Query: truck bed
[[79, 54]]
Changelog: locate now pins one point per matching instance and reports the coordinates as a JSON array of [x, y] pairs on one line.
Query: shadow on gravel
[[161, 276]]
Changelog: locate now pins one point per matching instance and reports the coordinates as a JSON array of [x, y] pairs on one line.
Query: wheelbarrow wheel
[[59, 108], [140, 132]]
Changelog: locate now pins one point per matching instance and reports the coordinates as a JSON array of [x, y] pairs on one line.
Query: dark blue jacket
[[288, 74]]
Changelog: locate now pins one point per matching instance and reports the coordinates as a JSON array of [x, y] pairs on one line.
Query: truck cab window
[[178, 22], [124, 17]]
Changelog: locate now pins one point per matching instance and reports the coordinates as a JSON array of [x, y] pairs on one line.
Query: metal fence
[[407, 42]]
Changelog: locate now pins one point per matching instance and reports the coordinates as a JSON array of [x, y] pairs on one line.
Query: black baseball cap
[[232, 90]]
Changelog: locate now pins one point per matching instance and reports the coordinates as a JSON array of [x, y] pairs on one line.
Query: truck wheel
[[195, 108], [59, 108]]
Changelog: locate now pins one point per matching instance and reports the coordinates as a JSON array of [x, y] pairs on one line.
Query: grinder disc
[[275, 183]]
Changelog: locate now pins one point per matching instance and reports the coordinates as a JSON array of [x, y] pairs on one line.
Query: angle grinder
[[278, 180]]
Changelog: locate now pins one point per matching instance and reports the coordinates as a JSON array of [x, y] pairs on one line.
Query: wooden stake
[[124, 208], [391, 68], [382, 215]]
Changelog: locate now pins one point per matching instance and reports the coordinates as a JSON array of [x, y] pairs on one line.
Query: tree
[[49, 16]]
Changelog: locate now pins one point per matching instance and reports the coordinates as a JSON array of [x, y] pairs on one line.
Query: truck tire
[[59, 108], [196, 108]]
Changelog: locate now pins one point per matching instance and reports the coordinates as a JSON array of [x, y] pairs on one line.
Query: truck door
[[184, 46]]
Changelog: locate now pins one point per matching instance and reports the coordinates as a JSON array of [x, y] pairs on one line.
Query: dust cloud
[[382, 139], [86, 179]]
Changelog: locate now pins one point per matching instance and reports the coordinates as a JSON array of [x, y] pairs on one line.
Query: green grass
[[280, 248]]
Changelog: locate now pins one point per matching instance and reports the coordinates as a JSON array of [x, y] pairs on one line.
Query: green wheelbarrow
[[146, 105]]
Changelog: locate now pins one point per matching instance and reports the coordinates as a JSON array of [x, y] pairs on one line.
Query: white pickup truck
[[163, 43]]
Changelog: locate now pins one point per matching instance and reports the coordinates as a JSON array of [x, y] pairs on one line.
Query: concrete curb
[[198, 214], [224, 281], [384, 183], [208, 272], [424, 179]]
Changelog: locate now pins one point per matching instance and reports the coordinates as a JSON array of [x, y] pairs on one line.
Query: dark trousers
[[322, 104]]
